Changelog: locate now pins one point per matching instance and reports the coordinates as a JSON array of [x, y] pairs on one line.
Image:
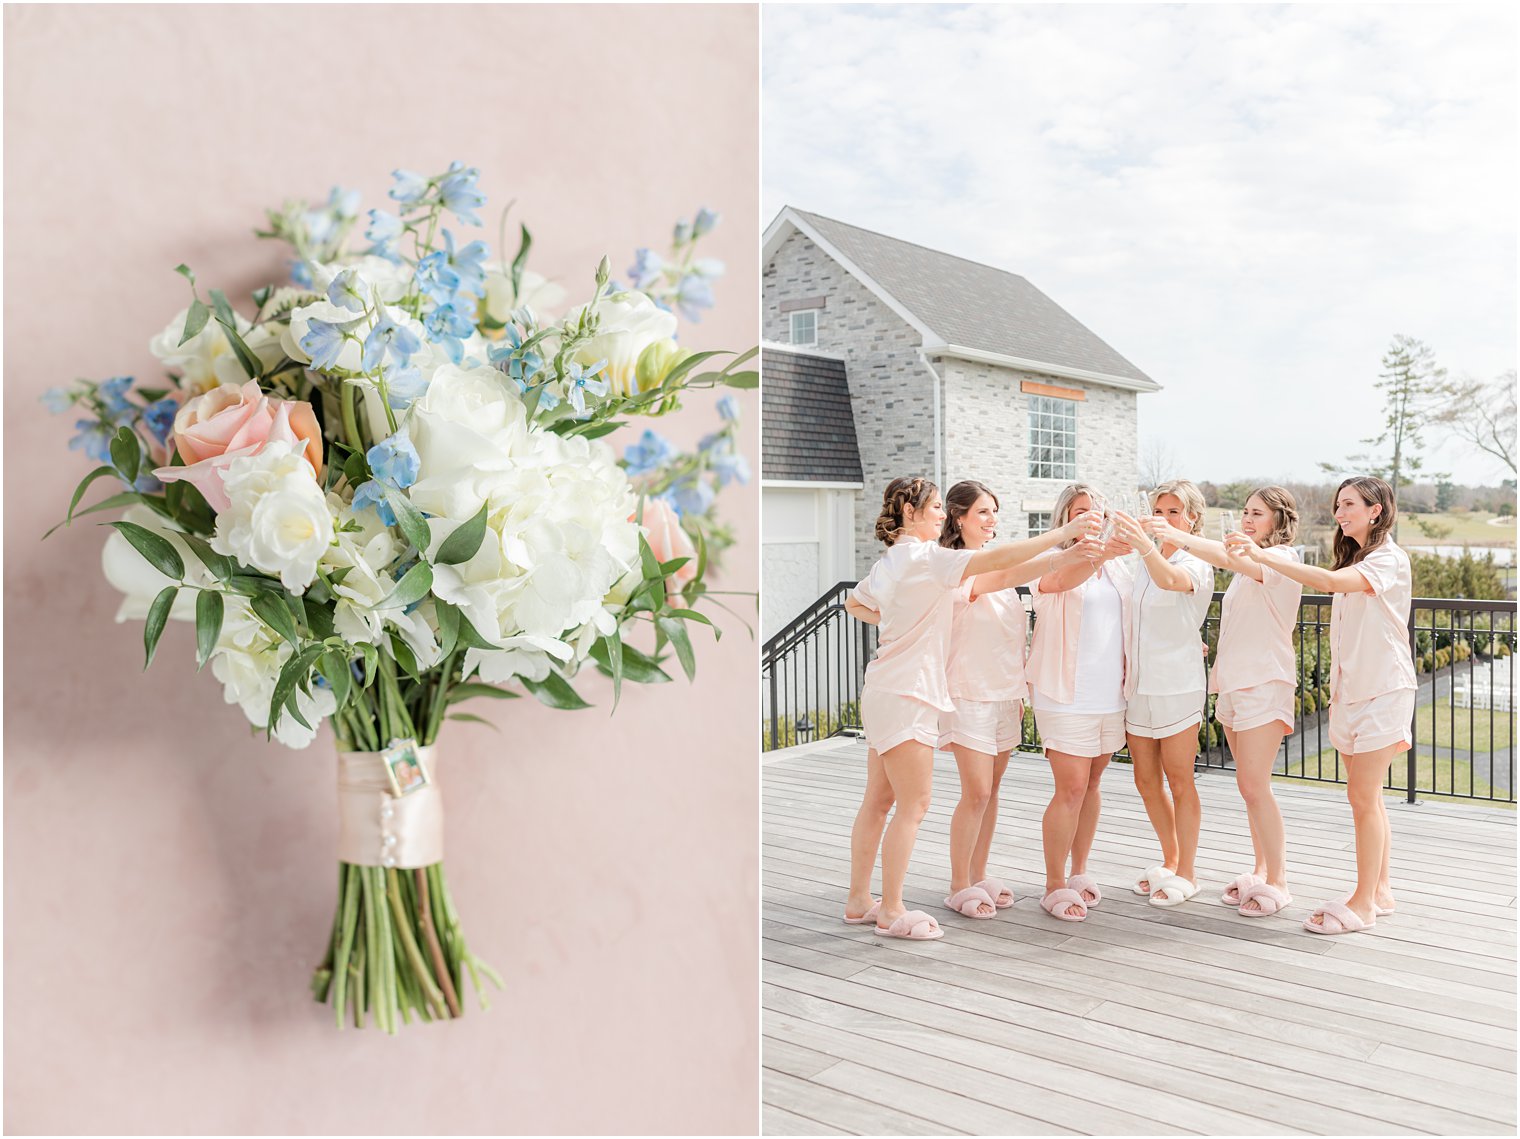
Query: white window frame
[[1052, 438], [809, 312], [1039, 522]]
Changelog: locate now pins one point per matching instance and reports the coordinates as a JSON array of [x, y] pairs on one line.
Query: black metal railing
[[1463, 728]]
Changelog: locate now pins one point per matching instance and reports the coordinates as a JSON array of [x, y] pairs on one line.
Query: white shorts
[[988, 726], [890, 719], [1369, 725], [1157, 717], [1088, 734], [1261, 704]]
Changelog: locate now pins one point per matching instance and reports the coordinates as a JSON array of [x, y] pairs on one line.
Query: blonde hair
[[909, 490], [1279, 500], [1069, 494], [1186, 493]]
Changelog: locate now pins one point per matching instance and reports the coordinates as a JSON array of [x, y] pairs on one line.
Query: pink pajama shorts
[[1088, 734], [890, 719], [1247, 708], [1369, 725], [988, 726]]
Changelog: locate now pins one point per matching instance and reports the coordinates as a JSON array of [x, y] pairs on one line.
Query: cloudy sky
[[1247, 201]]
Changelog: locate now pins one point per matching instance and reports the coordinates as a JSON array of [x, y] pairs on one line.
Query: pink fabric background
[[169, 881]]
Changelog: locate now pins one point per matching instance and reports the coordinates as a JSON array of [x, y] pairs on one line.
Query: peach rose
[[662, 529], [230, 423]]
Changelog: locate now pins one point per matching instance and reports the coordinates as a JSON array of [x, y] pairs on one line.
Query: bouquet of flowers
[[389, 492]]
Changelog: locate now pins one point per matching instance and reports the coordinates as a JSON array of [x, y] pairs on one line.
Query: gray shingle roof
[[809, 431], [975, 306]]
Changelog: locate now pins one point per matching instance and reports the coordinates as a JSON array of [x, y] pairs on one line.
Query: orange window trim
[[1057, 393]]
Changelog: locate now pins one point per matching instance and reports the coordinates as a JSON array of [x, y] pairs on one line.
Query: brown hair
[[1279, 500], [909, 490], [1374, 492], [962, 497], [1069, 494], [1186, 493]]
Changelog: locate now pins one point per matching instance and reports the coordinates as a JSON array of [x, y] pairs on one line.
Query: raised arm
[[1054, 561], [1172, 578], [1348, 580], [1217, 554], [1015, 553]]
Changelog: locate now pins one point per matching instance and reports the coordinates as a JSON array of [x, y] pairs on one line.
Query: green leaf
[[371, 657], [673, 377], [410, 519], [474, 719], [356, 470], [271, 608], [448, 627], [125, 498], [333, 665], [676, 632], [158, 617], [98, 472], [670, 567], [693, 615], [555, 692], [208, 625], [742, 380], [295, 671], [319, 619], [413, 586], [405, 658], [598, 430], [650, 563], [160, 554], [228, 320], [126, 453], [472, 690], [614, 643], [520, 261], [186, 272], [195, 319], [638, 667], [461, 545], [221, 566], [470, 638]]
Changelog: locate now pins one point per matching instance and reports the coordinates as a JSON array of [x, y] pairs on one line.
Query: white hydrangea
[[558, 529], [361, 562], [247, 660], [278, 520]]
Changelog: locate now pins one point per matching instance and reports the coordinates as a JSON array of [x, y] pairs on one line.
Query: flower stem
[[434, 949]]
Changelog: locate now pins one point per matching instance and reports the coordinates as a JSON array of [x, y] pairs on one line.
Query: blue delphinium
[[404, 386], [394, 460], [344, 291], [649, 453], [448, 327], [324, 341], [691, 495], [388, 340], [646, 268], [159, 416], [410, 188], [113, 399], [727, 463], [507, 355], [728, 408], [458, 195], [706, 221], [693, 295], [58, 400], [384, 233], [371, 495], [93, 438]]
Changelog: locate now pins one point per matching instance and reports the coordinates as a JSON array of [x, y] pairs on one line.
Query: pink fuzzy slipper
[[997, 890], [1336, 918], [1267, 896], [1057, 902], [915, 925], [868, 917], [1234, 893], [1083, 883], [967, 902]]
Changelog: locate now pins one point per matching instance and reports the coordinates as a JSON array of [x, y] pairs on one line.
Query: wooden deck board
[[1137, 1021]]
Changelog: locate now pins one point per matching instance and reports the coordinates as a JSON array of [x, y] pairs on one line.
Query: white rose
[[205, 360], [630, 322], [278, 520], [131, 573], [537, 293]]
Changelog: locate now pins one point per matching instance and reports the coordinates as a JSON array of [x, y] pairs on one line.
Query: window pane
[[1052, 438]]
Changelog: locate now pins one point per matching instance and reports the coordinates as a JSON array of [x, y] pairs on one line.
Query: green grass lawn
[[1433, 775], [1433, 727]]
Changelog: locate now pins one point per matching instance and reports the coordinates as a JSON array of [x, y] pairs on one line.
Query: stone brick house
[[953, 369]]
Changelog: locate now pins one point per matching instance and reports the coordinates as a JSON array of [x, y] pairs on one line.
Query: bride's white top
[[1163, 629]]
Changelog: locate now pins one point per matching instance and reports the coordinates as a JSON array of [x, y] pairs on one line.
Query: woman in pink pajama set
[[1255, 676], [911, 593], [1372, 681]]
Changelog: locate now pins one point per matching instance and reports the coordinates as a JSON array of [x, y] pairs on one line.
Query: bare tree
[[1482, 414], [1158, 462]]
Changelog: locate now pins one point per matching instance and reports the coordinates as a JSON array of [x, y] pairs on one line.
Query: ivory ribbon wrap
[[375, 828]]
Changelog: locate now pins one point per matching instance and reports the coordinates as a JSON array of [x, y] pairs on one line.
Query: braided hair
[[909, 490]]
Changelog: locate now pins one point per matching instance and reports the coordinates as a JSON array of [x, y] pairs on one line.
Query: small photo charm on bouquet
[[405, 768]]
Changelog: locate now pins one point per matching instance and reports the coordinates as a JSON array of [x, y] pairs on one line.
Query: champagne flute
[[1099, 502], [1227, 524]]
